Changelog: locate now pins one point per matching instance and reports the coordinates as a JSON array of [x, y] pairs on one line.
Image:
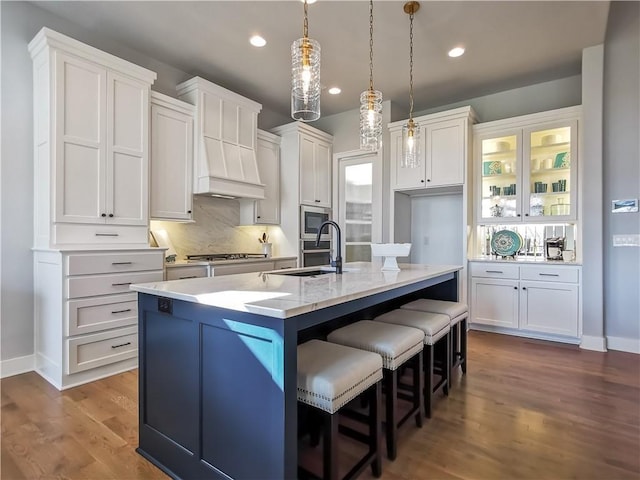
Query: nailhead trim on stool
[[329, 376], [458, 312], [396, 344], [436, 327]]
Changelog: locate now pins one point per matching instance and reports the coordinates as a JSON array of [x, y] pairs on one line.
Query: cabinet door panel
[[79, 186], [83, 87], [404, 177], [494, 302], [129, 200], [549, 308], [211, 116], [444, 150], [171, 163], [246, 127], [322, 168], [307, 177], [129, 114], [268, 210], [230, 122]]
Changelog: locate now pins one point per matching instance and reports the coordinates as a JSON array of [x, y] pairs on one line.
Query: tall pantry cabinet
[[91, 208]]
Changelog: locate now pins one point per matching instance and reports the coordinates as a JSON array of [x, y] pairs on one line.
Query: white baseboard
[[16, 366], [589, 342], [631, 345]]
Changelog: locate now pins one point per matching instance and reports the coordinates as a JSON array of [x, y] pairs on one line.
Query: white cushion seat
[[394, 343], [434, 325], [331, 375], [456, 311]]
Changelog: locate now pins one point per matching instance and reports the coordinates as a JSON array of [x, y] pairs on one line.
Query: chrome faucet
[[338, 261]]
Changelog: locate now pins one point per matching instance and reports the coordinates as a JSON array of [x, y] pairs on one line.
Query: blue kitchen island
[[217, 360]]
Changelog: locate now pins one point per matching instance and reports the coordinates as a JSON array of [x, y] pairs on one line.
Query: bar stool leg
[[454, 345], [446, 368], [418, 382], [428, 380], [391, 392], [375, 428], [329, 447], [463, 345]]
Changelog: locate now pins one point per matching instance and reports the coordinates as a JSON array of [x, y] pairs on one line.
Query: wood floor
[[525, 410]]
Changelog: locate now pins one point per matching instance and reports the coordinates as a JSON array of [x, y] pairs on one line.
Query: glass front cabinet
[[526, 168]]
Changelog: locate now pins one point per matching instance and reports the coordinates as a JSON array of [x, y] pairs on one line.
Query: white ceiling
[[508, 44]]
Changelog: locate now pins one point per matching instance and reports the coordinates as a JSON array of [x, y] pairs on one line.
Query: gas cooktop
[[209, 257]]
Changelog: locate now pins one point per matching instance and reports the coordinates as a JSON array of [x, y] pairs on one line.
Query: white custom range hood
[[226, 129]]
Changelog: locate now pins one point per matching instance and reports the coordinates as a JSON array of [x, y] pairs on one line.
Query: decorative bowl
[[390, 251]]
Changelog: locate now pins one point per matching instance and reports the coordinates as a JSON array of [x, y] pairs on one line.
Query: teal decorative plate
[[506, 243]]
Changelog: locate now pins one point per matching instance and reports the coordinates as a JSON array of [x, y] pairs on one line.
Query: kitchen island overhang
[[218, 360]]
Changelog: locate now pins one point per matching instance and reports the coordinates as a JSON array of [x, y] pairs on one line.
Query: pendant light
[[411, 130], [370, 103], [305, 76]]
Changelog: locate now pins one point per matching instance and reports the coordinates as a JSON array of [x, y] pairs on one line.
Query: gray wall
[[621, 170]]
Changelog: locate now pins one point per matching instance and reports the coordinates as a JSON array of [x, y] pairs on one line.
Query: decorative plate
[[506, 243]]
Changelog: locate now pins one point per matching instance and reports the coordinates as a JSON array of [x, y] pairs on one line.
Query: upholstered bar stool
[[436, 331], [397, 345], [458, 313], [329, 377]]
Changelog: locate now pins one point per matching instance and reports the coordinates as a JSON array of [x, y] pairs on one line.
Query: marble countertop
[[185, 263], [522, 260], [284, 296]]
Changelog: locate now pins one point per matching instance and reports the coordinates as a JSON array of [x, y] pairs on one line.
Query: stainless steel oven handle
[[316, 251]]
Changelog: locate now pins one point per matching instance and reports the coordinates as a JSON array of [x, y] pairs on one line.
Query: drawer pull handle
[[121, 345], [495, 271], [548, 274], [121, 263], [107, 234], [121, 311], [192, 276], [120, 284]]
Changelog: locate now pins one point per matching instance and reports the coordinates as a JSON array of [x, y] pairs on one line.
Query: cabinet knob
[[258, 216], [518, 214], [317, 201], [524, 288], [421, 181], [515, 288], [111, 215], [526, 214], [189, 211], [428, 179], [103, 215]]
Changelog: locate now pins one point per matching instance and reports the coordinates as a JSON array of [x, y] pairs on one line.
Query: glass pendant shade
[[370, 119], [305, 80], [410, 145]]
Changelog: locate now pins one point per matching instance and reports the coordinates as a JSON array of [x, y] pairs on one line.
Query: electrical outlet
[[629, 240], [165, 305]]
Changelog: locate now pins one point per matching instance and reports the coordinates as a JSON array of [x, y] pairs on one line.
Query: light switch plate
[[629, 240]]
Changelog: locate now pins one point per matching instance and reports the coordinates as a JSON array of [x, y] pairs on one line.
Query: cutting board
[[162, 240]]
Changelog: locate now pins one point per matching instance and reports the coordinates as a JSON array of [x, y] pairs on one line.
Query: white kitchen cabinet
[[85, 314], [182, 272], [171, 158], [267, 211], [307, 151], [91, 144], [444, 139], [526, 168], [539, 301]]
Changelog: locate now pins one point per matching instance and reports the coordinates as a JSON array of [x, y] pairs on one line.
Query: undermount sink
[[306, 273]]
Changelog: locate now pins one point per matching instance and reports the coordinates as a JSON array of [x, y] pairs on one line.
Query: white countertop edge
[[282, 296], [183, 263]]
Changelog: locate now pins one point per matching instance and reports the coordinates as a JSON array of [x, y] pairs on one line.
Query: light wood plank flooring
[[526, 410]]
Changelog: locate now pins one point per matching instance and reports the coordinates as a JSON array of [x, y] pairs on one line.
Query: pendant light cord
[[371, 45], [411, 65], [305, 25]]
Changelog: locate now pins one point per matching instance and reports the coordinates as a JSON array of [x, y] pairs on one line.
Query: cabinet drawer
[[94, 314], [97, 234], [496, 270], [550, 274], [90, 285], [82, 264], [191, 271], [96, 350], [218, 270], [282, 264]]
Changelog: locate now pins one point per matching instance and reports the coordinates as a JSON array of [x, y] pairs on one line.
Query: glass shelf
[[500, 175], [546, 171], [551, 145]]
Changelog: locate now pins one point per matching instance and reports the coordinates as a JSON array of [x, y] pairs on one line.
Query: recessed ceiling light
[[334, 90], [456, 52], [257, 41]]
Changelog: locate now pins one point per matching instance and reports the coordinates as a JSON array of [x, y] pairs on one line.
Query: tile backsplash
[[215, 229]]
